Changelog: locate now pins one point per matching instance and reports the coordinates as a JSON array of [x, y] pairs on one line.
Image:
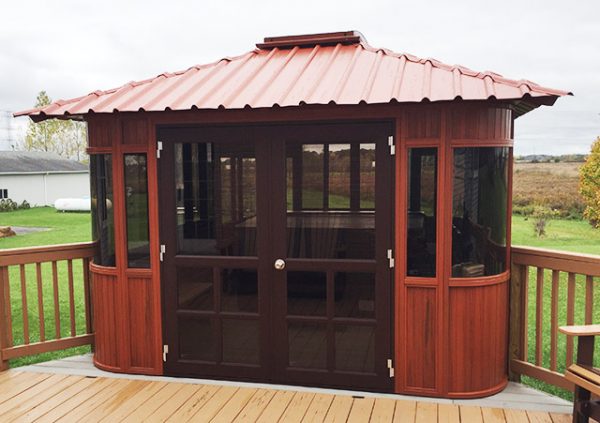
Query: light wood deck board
[[276, 407], [27, 397], [153, 403]]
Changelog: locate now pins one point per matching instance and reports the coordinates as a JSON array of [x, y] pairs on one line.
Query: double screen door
[[275, 262]]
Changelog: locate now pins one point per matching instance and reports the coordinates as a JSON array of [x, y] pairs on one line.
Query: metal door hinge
[[392, 145], [390, 366], [390, 256], [158, 149], [165, 352], [163, 250]]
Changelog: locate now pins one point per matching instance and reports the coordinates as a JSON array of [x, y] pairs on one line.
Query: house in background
[[41, 178]]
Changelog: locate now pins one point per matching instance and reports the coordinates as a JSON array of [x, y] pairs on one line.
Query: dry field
[[554, 185]]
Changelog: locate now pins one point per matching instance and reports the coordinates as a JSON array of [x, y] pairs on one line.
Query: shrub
[[8, 205], [541, 216], [589, 185]]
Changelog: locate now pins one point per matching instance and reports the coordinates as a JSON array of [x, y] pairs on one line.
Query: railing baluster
[[86, 294], [4, 312], [71, 298], [539, 313], [40, 295], [5, 275], [56, 299], [24, 304], [554, 319], [525, 313], [589, 299], [570, 315]]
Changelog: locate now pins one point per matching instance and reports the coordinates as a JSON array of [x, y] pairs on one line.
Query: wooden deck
[[48, 397]]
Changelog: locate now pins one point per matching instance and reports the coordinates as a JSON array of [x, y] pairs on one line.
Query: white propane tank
[[72, 204]]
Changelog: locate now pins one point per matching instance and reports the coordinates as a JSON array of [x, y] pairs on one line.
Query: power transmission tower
[[8, 131]]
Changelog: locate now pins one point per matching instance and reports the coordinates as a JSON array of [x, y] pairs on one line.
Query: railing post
[[518, 317], [4, 326]]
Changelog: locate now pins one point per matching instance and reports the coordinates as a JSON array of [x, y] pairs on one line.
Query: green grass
[[568, 235], [63, 228]]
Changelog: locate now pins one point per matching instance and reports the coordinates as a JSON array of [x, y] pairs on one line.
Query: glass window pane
[[241, 341], [338, 173], [101, 190], [367, 176], [195, 288], [312, 176], [306, 293], [239, 291], [479, 211], [216, 199], [307, 345], [136, 209], [355, 295], [422, 212], [355, 348], [324, 201]]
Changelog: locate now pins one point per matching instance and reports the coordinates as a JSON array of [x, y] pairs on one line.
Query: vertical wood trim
[[154, 234], [570, 316], [325, 176], [355, 177], [121, 304], [589, 299], [56, 300], [40, 295], [539, 315], [554, 319], [400, 253], [24, 304], [444, 247], [71, 298]]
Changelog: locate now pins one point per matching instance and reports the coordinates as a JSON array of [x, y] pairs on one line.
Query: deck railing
[[549, 289], [44, 300]]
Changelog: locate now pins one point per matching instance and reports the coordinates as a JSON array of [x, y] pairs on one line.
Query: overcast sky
[[70, 48]]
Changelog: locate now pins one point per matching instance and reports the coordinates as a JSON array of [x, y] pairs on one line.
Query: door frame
[[271, 359]]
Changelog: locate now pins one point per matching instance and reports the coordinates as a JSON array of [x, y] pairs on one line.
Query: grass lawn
[[63, 228], [568, 235]]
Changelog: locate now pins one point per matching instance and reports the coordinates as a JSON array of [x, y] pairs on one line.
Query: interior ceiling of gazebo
[[335, 68]]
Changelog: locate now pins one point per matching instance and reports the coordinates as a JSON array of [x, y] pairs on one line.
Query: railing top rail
[[587, 264], [14, 256]]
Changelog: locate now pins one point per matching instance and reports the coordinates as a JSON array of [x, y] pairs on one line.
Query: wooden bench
[[583, 375]]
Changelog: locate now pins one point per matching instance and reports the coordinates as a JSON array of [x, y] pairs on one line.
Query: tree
[[67, 138], [589, 185]]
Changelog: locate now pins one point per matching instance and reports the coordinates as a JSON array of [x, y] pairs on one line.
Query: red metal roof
[[336, 68]]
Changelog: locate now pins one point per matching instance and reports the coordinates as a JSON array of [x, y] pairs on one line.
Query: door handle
[[279, 264]]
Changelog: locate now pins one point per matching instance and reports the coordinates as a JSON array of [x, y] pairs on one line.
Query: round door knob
[[279, 264]]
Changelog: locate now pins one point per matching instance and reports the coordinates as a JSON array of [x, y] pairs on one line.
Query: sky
[[71, 48]]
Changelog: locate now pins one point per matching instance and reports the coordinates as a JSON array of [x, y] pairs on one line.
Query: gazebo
[[314, 212]]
